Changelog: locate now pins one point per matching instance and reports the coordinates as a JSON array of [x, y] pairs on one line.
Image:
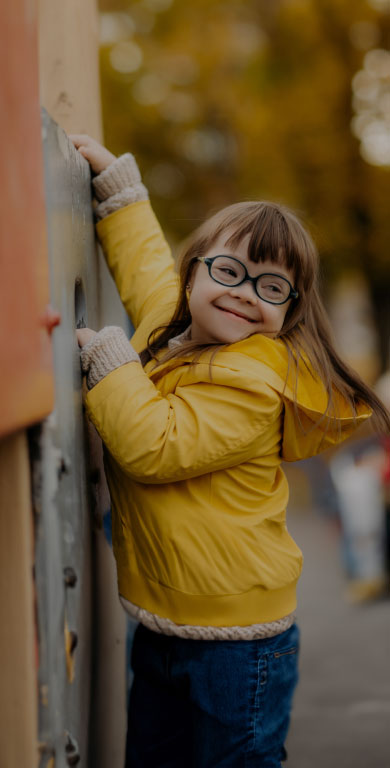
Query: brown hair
[[275, 234]]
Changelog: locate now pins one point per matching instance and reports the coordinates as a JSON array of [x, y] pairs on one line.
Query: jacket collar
[[177, 341]]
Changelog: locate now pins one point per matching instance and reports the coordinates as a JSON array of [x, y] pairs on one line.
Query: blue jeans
[[208, 704]]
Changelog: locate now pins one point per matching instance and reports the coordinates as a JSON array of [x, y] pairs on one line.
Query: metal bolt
[[73, 641], [72, 750], [63, 466], [70, 576]]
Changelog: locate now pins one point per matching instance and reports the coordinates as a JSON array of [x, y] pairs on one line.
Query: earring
[[188, 291]]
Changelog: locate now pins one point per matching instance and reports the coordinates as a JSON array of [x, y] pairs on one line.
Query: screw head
[[71, 749], [70, 576]]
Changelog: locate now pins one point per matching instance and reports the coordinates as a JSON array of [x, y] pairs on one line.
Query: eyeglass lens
[[230, 272]]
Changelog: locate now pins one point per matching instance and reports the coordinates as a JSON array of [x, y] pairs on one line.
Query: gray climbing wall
[[81, 627]]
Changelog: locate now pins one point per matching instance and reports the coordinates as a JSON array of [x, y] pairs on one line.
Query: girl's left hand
[[84, 335]]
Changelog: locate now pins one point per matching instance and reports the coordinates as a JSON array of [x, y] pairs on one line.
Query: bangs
[[276, 235]]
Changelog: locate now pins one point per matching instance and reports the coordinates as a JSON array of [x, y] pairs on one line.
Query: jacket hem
[[258, 605]]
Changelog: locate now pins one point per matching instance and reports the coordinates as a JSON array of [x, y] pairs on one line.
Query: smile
[[236, 314]]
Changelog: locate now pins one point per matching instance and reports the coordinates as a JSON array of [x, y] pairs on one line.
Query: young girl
[[231, 370]]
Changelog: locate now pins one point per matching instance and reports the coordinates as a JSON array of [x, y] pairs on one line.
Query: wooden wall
[[66, 70], [68, 64]]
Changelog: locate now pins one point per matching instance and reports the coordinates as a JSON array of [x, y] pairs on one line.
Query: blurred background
[[289, 100]]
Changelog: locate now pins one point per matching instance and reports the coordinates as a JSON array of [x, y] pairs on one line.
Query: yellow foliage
[[241, 99]]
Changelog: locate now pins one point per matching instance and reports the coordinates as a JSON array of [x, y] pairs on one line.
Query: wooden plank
[[69, 65], [18, 689], [26, 383]]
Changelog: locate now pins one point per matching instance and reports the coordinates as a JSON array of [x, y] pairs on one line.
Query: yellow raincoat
[[193, 465]]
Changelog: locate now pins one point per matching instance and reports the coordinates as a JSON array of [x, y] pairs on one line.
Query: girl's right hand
[[98, 156]]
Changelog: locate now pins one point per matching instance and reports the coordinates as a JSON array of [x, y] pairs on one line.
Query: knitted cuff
[[127, 196], [109, 349], [123, 172], [118, 185]]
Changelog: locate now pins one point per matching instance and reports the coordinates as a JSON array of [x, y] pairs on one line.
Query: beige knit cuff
[[109, 349], [127, 196], [118, 185], [123, 172]]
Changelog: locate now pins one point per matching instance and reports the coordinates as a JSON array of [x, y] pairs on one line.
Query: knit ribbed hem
[[126, 196], [118, 185], [177, 341], [257, 606], [190, 632], [109, 349]]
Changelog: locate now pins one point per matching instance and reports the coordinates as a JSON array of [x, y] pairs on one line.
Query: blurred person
[[382, 388], [230, 370], [358, 475], [361, 474]]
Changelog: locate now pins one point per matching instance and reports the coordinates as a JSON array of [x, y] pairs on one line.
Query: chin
[[233, 339]]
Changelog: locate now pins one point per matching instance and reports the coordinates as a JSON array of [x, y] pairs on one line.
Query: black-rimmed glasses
[[270, 287]]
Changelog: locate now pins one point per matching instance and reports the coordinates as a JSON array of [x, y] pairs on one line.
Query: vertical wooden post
[[68, 63], [26, 391], [18, 690]]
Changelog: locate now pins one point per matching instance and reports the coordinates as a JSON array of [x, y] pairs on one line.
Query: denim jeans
[[208, 704]]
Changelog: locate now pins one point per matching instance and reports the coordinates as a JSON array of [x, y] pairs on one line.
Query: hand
[[98, 156], [84, 335]]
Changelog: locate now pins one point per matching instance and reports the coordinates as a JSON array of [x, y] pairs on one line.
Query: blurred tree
[[223, 100]]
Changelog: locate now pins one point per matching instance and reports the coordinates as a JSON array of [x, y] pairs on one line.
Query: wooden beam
[[69, 64], [18, 689]]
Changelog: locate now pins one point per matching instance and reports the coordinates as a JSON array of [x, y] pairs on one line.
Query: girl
[[231, 370]]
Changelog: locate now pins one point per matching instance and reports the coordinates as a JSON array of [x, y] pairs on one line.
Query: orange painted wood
[[26, 381]]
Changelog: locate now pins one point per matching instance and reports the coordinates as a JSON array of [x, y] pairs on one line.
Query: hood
[[306, 429]]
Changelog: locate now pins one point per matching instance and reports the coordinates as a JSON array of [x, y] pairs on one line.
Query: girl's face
[[227, 314]]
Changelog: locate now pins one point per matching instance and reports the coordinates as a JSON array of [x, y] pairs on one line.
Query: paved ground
[[341, 716]]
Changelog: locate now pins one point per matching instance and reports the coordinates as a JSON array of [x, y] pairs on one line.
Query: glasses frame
[[209, 260]]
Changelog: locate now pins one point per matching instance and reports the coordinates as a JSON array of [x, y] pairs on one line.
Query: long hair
[[276, 234]]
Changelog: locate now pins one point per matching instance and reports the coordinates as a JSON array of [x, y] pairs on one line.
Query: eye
[[272, 287], [228, 271]]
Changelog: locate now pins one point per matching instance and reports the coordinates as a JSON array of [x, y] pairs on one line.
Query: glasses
[[269, 287]]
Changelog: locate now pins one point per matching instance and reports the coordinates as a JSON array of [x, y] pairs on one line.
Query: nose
[[244, 292]]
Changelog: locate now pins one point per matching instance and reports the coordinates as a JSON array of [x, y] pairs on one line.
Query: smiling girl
[[231, 370]]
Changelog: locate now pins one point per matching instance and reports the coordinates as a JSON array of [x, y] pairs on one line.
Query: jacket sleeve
[[140, 262], [201, 428]]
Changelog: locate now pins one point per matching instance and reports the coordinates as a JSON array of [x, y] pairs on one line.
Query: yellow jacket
[[193, 465]]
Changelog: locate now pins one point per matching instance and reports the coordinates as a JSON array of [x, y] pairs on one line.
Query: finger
[[83, 335], [85, 151], [79, 138]]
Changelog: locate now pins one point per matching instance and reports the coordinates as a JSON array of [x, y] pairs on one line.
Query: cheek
[[282, 316], [195, 302], [275, 316], [202, 292]]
